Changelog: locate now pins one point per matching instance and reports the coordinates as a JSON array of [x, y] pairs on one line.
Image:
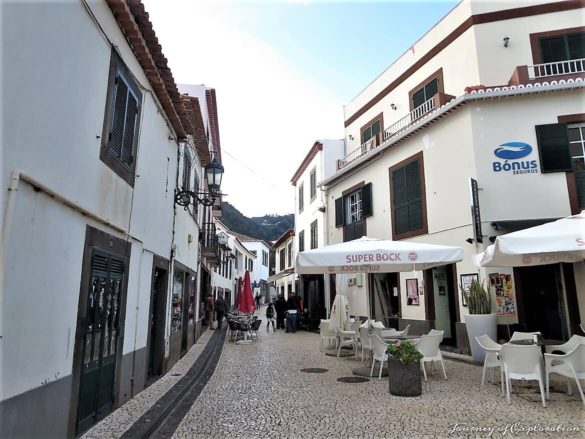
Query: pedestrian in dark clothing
[[270, 317], [280, 308], [291, 314], [220, 310]]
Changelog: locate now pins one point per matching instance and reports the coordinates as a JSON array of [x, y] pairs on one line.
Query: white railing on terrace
[[568, 67], [357, 153], [402, 124], [393, 130]]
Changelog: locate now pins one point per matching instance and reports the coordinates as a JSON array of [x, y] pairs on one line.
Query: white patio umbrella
[[369, 255], [558, 241]]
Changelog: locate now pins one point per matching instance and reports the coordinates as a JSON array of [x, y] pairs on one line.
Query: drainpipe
[[7, 222]]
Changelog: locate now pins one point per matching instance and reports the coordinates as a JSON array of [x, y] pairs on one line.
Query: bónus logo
[[513, 150]]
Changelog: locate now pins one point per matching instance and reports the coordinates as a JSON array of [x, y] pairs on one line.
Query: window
[[177, 303], [282, 259], [238, 258], [426, 90], [289, 254], [351, 210], [408, 198], [187, 164], [562, 148], [302, 241], [264, 258], [121, 121], [372, 129], [314, 235], [313, 184], [301, 197], [562, 47]]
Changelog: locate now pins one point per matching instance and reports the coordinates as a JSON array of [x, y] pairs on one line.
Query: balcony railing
[[359, 152], [402, 124], [210, 244], [568, 67]]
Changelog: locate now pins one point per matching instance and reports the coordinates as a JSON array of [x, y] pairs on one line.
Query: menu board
[[504, 289]]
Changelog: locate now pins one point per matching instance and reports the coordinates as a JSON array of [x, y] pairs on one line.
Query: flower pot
[[480, 324], [404, 379]]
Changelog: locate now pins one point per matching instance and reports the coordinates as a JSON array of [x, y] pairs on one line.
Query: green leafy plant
[[478, 298], [404, 351]]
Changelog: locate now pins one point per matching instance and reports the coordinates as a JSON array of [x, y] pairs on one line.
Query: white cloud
[[269, 113]]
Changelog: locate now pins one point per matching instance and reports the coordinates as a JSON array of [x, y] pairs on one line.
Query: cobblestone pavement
[[258, 390]]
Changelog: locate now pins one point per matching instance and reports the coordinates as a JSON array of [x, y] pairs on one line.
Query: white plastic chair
[[437, 332], [567, 347], [390, 333], [522, 363], [492, 358], [326, 332], [406, 329], [346, 338], [380, 355], [570, 365], [582, 327], [429, 347], [519, 335], [365, 341]]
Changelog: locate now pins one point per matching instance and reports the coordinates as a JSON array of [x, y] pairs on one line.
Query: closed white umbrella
[[339, 312], [368, 255], [558, 241]]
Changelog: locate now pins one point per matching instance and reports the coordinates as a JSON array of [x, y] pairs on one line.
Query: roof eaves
[[475, 95], [317, 146], [139, 33]]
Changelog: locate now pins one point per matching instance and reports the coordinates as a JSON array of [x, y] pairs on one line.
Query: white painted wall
[[52, 134]]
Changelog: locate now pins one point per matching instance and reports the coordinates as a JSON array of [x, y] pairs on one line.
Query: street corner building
[[476, 131], [102, 265]]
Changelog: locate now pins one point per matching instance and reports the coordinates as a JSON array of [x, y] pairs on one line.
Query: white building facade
[[100, 276], [284, 279], [311, 225], [488, 105]]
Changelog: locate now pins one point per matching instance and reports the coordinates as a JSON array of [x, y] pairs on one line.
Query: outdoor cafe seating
[[521, 358]]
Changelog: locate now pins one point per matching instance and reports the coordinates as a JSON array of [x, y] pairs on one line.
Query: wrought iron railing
[[357, 153], [568, 67], [210, 243]]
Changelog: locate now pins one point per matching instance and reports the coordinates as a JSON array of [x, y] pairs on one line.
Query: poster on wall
[[465, 285], [505, 300], [412, 292]]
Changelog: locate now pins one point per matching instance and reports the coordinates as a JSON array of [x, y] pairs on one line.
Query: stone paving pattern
[[258, 390]]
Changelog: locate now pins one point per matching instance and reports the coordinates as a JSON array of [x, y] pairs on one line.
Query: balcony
[[210, 244], [573, 68], [395, 129]]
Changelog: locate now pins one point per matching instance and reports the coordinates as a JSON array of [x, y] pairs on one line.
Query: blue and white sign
[[511, 153]]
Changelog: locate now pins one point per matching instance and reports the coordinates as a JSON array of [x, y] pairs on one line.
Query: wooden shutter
[[129, 130], [118, 119], [339, 217], [400, 201], [367, 206], [413, 195], [553, 147]]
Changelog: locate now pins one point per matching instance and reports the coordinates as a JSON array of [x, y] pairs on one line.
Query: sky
[[282, 71]]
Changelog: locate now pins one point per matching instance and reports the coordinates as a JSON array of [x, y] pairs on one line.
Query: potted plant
[[404, 374], [480, 319]]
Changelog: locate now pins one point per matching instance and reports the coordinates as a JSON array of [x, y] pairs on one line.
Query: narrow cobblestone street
[[259, 390]]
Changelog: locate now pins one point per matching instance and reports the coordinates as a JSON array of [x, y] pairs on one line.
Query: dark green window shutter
[[553, 147], [339, 217], [367, 207], [118, 119], [129, 130], [407, 198]]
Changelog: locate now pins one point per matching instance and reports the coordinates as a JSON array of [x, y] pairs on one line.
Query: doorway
[[157, 319], [442, 301], [545, 295], [384, 298], [99, 334]]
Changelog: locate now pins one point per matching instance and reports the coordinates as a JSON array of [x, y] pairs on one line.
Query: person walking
[[280, 308], [291, 314], [270, 317], [220, 310]]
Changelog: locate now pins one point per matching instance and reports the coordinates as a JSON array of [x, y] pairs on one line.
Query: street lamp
[[213, 174]]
